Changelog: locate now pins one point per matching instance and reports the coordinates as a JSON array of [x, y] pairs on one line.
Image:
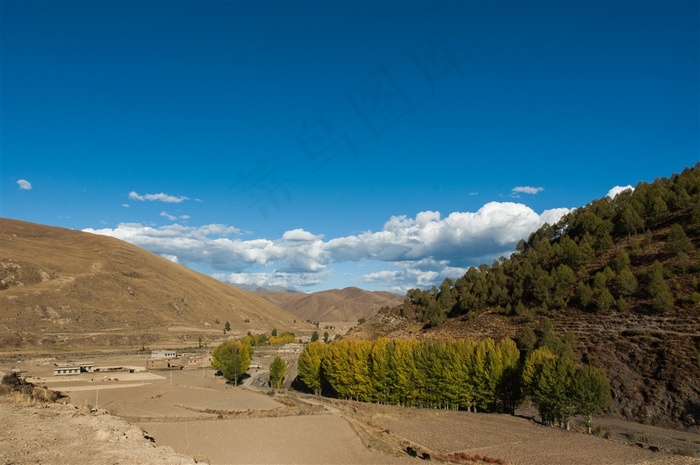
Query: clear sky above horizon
[[315, 145]]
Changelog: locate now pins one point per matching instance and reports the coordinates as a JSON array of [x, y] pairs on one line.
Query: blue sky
[[318, 145]]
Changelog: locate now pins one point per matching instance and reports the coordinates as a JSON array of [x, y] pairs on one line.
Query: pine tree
[[629, 222], [658, 290], [625, 283], [677, 241]]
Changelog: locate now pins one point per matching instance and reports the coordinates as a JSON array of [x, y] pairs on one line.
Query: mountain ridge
[[349, 304]]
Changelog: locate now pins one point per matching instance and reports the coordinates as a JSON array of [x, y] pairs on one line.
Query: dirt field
[[64, 434], [198, 415]]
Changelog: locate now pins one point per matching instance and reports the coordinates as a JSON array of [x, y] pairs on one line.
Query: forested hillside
[[619, 277]]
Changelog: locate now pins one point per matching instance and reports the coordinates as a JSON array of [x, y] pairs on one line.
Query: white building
[[66, 370], [160, 354]]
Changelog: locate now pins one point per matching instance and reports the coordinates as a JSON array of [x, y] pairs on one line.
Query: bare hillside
[[349, 304], [69, 289]]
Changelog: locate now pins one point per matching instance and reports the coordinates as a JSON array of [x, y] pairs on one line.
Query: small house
[[62, 370], [163, 354]]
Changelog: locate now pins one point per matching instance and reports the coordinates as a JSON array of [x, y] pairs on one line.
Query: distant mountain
[[260, 289], [61, 288], [336, 305], [619, 277]]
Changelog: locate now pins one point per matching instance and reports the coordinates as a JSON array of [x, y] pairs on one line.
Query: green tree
[[584, 294], [550, 390], [326, 337], [658, 210], [590, 392], [625, 282], [629, 222], [658, 290], [677, 241], [227, 327], [309, 366], [542, 284], [232, 358], [527, 340], [277, 371], [564, 279], [274, 332], [621, 261], [604, 300], [314, 336]]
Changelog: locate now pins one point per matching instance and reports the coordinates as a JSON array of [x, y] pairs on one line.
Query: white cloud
[[612, 193], [414, 252], [161, 197], [407, 275], [24, 184], [462, 237], [173, 217], [527, 190], [125, 205], [274, 278], [172, 258]]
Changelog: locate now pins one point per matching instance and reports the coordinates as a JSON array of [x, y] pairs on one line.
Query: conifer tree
[[658, 290], [677, 241]]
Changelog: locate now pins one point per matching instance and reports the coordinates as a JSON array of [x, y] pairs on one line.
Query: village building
[[73, 369], [291, 348], [66, 370], [163, 354]]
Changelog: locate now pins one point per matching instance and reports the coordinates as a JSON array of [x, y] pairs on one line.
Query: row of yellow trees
[[454, 374]]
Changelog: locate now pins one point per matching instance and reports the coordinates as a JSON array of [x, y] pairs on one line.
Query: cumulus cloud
[[527, 190], [463, 237], [161, 197], [612, 193], [24, 184], [219, 246], [414, 252]]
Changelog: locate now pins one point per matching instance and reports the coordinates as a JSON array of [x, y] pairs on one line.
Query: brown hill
[[335, 305], [61, 288]]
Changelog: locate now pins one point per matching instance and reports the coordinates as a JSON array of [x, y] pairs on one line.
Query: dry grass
[[64, 289]]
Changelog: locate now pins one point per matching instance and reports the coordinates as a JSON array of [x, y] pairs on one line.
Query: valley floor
[[196, 415]]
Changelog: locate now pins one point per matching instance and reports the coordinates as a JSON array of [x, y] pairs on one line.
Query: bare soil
[[199, 416], [66, 434]]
